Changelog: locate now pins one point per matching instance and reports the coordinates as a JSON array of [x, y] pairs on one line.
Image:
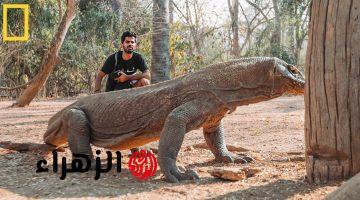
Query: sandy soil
[[272, 131]]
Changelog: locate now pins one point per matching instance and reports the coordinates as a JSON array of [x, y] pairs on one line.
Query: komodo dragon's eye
[[292, 69]]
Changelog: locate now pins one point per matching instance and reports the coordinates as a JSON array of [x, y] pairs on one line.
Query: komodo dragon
[[166, 111]]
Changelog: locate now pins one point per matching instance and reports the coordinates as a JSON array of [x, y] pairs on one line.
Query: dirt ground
[[272, 131]]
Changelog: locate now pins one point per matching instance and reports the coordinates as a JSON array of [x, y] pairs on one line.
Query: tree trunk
[[192, 33], [172, 54], [234, 15], [276, 36], [160, 62], [117, 8], [50, 58], [171, 12], [332, 102], [291, 22]]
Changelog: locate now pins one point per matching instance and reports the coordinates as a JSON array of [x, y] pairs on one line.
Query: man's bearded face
[[129, 45]]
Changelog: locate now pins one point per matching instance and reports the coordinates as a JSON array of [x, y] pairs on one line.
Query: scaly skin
[[166, 111]]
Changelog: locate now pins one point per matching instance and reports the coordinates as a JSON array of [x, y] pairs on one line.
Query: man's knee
[[142, 82]]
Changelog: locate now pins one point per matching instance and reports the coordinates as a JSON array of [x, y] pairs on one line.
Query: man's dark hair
[[127, 34]]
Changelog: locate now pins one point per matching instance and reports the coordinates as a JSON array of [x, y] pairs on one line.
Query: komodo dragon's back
[[112, 104], [123, 107]]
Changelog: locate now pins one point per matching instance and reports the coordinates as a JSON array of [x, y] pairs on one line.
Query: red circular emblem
[[142, 164]]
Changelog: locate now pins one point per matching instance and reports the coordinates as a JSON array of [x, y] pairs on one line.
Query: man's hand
[[122, 78], [137, 76]]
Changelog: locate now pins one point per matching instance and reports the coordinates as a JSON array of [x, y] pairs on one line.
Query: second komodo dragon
[[166, 111]]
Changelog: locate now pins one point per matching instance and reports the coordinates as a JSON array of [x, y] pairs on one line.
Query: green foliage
[[95, 33], [269, 49], [186, 57], [19, 58], [283, 53]]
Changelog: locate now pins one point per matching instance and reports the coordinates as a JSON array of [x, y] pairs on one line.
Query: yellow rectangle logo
[[25, 37]]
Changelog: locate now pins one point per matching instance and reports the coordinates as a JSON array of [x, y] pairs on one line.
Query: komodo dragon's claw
[[235, 159], [243, 159], [175, 176], [248, 159], [172, 172]]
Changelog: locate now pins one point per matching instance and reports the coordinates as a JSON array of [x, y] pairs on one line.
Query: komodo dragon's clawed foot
[[172, 172], [214, 137], [241, 159], [234, 159]]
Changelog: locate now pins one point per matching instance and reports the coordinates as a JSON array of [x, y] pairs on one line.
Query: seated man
[[122, 67]]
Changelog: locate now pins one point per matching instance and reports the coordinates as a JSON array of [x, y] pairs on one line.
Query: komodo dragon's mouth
[[296, 91], [297, 88]]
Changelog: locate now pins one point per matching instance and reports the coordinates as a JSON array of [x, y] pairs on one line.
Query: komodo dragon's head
[[260, 74], [250, 80], [288, 78]]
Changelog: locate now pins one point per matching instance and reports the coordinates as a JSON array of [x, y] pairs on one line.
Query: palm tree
[[160, 63]]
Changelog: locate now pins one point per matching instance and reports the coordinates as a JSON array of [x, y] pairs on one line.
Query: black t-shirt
[[127, 66]]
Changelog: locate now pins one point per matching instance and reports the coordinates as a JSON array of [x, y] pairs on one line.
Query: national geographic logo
[[5, 20]]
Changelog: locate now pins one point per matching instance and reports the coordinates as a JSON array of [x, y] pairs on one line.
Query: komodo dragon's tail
[[29, 146], [55, 134]]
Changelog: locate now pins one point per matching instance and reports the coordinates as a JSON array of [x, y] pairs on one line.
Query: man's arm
[[136, 76], [107, 68], [98, 80]]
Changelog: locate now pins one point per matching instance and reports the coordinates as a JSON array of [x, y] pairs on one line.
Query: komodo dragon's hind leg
[[214, 137], [79, 132]]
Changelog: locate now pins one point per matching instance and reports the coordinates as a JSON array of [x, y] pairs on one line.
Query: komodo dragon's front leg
[[79, 132], [214, 137], [182, 119]]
